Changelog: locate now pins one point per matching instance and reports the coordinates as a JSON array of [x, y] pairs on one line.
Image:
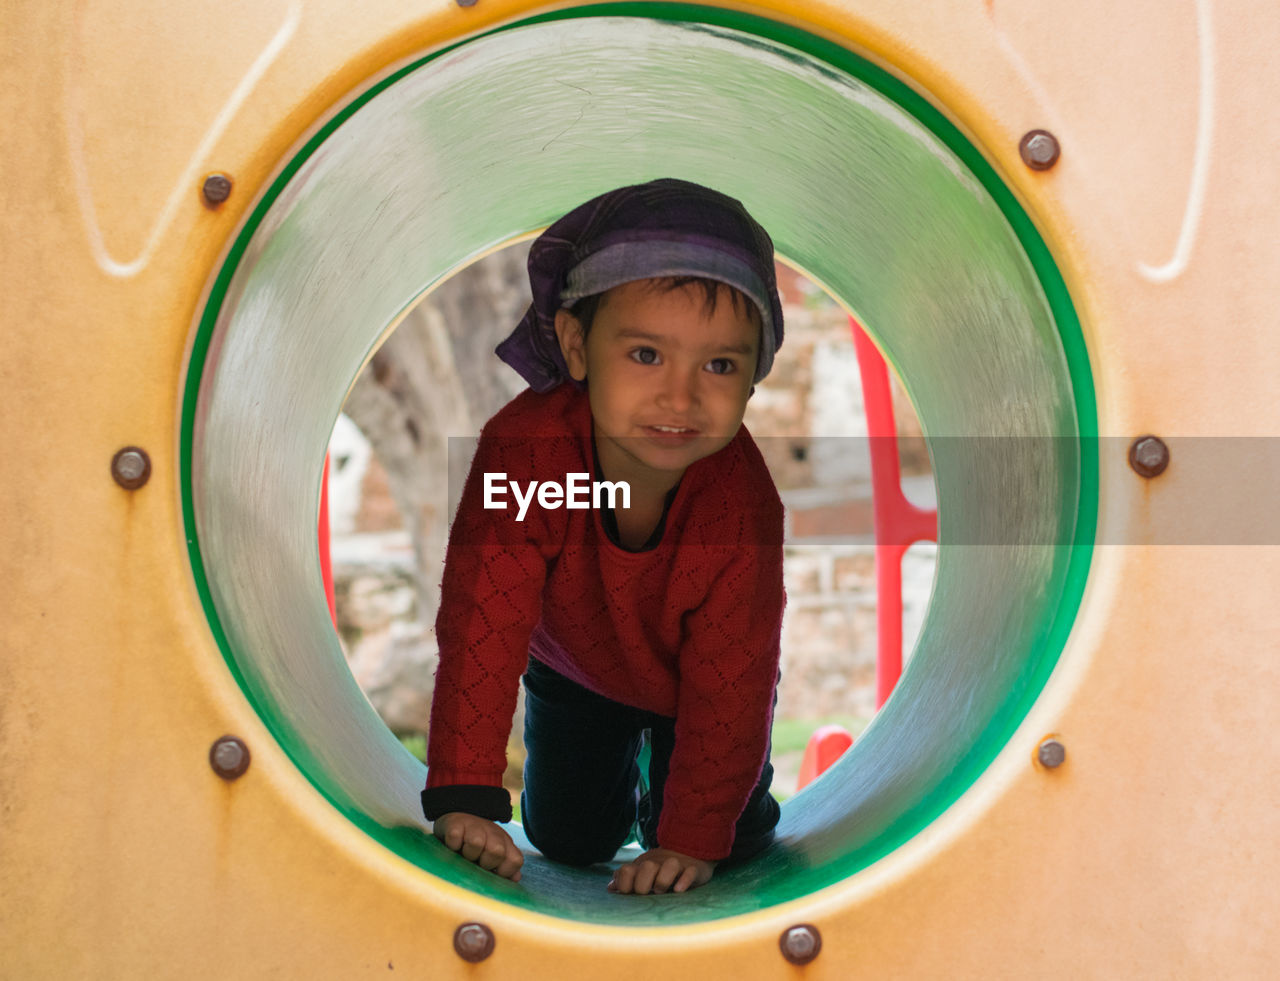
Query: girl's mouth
[[671, 433]]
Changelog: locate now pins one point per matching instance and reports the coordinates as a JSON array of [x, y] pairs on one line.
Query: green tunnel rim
[[410, 844]]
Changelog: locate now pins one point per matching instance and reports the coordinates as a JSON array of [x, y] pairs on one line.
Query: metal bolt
[[1149, 456], [131, 467], [473, 942], [217, 188], [229, 757], [1039, 149], [467, 3], [801, 943], [1051, 753]]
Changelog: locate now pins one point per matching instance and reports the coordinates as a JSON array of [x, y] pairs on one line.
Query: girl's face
[[668, 383]]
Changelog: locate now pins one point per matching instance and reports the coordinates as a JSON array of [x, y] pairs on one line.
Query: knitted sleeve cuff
[[491, 803], [709, 843]]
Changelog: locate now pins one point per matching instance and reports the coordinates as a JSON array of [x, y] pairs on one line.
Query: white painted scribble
[[74, 114], [1204, 137], [1053, 119], [1200, 163]]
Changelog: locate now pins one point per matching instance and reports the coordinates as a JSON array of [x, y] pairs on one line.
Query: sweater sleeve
[[490, 601], [728, 673]]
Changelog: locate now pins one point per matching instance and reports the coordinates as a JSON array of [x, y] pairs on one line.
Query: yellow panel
[[1152, 852]]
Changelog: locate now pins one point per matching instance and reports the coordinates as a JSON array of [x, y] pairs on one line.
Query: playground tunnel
[[864, 185]]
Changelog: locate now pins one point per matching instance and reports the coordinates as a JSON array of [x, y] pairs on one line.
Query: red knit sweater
[[689, 629]]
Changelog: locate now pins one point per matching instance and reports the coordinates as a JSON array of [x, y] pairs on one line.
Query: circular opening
[[861, 183]]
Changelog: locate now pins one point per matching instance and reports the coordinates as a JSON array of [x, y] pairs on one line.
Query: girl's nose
[[679, 390]]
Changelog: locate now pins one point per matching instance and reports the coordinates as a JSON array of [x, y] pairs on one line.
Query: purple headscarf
[[663, 228]]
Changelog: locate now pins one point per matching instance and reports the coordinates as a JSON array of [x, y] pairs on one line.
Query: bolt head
[[466, 3], [473, 942], [1039, 149], [800, 944], [1051, 754], [217, 188], [131, 467], [1149, 456], [229, 757]]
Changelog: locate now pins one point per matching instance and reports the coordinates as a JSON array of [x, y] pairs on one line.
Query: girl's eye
[[645, 355], [721, 366]]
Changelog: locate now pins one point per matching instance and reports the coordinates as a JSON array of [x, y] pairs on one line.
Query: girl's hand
[[481, 841], [661, 870]]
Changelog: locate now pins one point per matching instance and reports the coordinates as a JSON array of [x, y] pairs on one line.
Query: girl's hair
[[584, 310]]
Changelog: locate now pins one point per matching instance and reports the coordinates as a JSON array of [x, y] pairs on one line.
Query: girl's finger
[[644, 877], [474, 844], [667, 875], [511, 865], [688, 879], [623, 878], [494, 854]]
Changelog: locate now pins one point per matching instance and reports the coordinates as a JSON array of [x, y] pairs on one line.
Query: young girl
[[650, 621]]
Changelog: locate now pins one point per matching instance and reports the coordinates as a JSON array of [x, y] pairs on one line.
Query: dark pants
[[583, 781]]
